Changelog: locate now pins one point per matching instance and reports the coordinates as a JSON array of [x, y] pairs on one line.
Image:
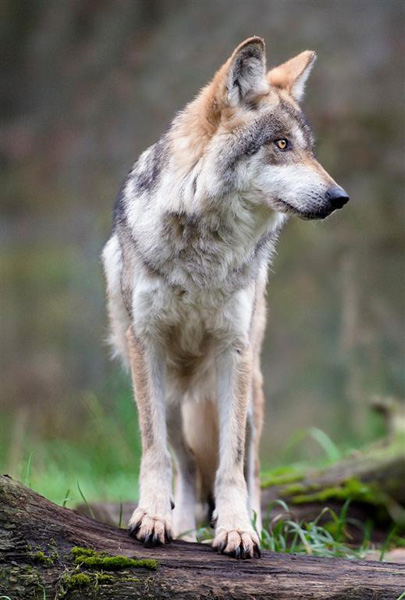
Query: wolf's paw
[[152, 530], [237, 543]]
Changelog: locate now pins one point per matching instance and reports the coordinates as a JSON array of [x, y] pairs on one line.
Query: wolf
[[195, 228]]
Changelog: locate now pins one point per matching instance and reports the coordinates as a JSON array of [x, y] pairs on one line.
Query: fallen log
[[47, 551], [372, 479]]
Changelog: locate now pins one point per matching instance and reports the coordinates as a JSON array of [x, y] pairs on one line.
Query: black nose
[[337, 197]]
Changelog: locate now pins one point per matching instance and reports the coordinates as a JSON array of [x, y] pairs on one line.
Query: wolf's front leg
[[151, 521], [234, 534]]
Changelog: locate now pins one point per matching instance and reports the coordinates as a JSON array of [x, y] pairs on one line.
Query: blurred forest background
[[86, 86]]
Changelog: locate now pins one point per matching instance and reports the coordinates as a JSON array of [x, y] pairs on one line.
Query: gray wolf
[[195, 227]]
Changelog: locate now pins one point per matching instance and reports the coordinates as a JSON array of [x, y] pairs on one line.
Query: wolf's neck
[[191, 232], [221, 246]]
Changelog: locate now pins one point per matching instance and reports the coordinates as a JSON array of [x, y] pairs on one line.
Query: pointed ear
[[293, 74], [245, 72]]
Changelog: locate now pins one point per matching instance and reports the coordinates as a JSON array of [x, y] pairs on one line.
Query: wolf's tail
[[118, 315]]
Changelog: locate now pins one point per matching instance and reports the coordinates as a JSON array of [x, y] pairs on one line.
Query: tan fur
[[196, 125], [201, 431], [285, 76], [258, 400], [141, 384]]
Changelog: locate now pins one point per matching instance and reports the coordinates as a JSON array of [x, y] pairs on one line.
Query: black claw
[[168, 538], [151, 540], [172, 504], [238, 552], [133, 529], [220, 548], [258, 551], [148, 541]]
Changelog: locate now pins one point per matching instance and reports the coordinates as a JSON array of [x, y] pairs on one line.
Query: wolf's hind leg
[[184, 523], [151, 521]]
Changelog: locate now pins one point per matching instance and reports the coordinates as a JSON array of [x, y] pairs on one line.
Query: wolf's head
[[250, 134]]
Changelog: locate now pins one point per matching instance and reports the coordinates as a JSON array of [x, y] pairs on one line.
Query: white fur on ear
[[293, 74], [246, 77], [298, 87]]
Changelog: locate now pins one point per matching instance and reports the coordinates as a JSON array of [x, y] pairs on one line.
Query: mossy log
[[371, 478], [47, 551]]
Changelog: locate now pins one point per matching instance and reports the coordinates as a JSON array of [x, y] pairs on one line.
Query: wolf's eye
[[282, 143]]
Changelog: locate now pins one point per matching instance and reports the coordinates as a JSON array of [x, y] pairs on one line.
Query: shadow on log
[[43, 555]]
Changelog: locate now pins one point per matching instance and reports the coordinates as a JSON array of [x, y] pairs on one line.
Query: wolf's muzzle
[[336, 197]]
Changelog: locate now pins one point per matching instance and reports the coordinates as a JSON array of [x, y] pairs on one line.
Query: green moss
[[41, 558], [94, 585], [281, 476], [79, 551], [352, 488], [293, 488], [76, 580], [100, 560], [114, 563], [104, 578]]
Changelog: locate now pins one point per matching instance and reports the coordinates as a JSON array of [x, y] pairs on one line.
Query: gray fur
[[266, 129], [147, 178]]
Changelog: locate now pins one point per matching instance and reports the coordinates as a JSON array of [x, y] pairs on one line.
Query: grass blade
[[120, 517], [331, 450], [387, 542], [28, 470], [66, 498], [85, 501]]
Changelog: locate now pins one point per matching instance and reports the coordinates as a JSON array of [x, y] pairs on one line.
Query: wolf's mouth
[[322, 213]]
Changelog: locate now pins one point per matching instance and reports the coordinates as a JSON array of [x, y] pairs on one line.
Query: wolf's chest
[[192, 321]]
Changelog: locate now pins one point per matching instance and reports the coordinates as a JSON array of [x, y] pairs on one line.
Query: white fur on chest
[[160, 310], [192, 328]]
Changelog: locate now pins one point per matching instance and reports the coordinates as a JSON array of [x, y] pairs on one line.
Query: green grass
[[330, 539], [97, 459], [326, 536]]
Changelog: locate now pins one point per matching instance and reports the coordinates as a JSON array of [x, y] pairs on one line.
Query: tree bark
[[37, 562]]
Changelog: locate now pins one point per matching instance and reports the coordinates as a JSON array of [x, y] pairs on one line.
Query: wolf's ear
[[293, 74], [245, 72]]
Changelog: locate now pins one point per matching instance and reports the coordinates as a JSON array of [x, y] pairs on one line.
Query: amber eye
[[281, 144]]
